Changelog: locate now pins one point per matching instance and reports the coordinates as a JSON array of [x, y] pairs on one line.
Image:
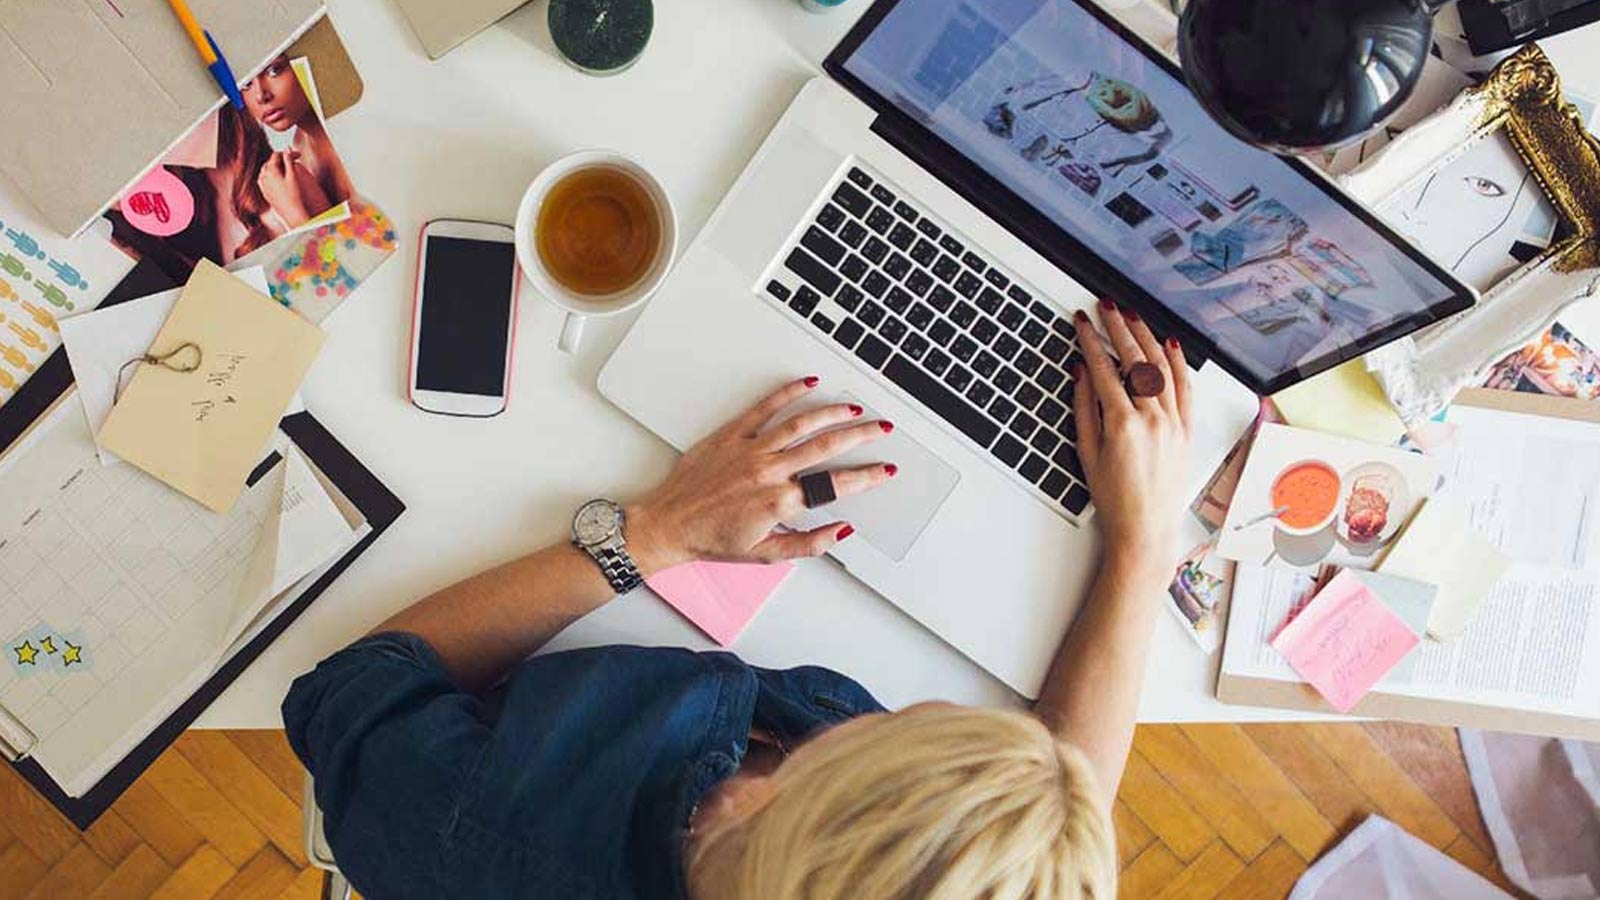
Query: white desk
[[461, 138]]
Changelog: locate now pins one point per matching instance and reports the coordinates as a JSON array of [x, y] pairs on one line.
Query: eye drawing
[[1484, 186]]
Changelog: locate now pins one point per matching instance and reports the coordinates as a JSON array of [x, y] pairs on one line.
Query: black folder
[[376, 502]]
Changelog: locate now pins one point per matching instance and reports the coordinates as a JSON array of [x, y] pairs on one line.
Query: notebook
[[95, 91], [441, 27]]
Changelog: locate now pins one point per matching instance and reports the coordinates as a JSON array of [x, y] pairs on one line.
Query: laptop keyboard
[[914, 302]]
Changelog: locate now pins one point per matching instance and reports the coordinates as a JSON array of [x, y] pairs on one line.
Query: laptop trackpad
[[892, 516]]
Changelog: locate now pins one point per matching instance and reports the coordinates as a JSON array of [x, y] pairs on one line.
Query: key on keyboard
[[866, 249]]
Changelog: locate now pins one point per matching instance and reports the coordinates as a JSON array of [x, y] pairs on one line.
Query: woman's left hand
[[726, 496]]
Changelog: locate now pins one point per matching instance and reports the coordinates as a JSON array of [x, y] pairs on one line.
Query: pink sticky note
[[1344, 641], [160, 204], [719, 598]]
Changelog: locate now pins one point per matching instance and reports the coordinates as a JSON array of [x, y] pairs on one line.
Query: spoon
[[1262, 518]]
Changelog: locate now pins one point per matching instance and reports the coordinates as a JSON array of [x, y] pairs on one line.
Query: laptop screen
[[1262, 260]]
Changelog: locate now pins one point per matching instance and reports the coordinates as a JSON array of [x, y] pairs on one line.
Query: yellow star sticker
[[48, 643], [73, 653], [26, 653]]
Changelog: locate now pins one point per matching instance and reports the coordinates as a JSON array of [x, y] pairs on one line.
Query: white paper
[[1442, 547], [1531, 484], [312, 528], [150, 588], [99, 344], [1532, 645]]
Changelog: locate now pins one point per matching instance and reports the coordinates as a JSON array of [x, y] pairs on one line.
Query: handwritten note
[[1345, 641], [202, 431]]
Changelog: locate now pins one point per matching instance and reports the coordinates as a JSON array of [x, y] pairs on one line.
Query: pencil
[[191, 27], [210, 55]]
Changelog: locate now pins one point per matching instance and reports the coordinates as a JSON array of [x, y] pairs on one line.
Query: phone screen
[[466, 310]]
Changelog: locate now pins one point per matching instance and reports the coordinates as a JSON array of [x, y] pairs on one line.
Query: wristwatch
[[597, 530]]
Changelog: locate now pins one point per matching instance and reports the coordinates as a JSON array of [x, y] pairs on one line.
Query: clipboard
[[48, 387], [1249, 690]]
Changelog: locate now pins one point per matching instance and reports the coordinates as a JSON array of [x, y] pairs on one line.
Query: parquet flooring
[[1205, 811]]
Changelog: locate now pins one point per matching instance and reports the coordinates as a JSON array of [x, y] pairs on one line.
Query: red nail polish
[[1172, 342], [845, 532], [886, 426], [1081, 316], [1106, 304], [1130, 315], [891, 469], [812, 381], [856, 410]]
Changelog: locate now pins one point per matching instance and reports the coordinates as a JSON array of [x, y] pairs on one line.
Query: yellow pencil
[[191, 26], [210, 55]]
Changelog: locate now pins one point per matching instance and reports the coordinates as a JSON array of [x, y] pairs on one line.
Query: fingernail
[[1107, 304], [844, 532], [891, 469], [856, 410], [1130, 315], [1081, 316], [886, 426], [1172, 342], [812, 381]]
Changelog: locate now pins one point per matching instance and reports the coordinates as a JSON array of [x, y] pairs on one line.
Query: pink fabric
[[1539, 801], [719, 598]]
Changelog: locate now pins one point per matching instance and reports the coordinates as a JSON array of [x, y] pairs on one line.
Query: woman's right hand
[[290, 189], [726, 496], [1134, 450]]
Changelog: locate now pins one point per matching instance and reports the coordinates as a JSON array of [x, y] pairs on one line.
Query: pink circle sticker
[[160, 204]]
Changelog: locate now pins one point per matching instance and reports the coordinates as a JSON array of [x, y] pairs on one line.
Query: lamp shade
[[1299, 75]]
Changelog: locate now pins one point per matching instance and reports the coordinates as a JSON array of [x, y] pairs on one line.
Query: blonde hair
[[935, 802]]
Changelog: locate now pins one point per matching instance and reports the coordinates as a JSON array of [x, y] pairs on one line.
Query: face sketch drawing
[[1470, 213]]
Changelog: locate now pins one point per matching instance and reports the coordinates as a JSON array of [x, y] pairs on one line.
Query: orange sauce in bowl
[[1310, 490]]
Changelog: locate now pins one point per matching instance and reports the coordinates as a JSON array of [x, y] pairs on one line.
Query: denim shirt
[[579, 783]]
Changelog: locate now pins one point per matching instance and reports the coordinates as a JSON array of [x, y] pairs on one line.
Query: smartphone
[[464, 318]]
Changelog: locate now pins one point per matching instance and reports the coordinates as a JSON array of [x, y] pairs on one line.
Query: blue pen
[[223, 73]]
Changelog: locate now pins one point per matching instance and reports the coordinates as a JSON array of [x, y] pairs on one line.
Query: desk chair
[[334, 884]]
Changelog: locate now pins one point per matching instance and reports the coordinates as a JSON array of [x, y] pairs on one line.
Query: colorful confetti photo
[[320, 269]]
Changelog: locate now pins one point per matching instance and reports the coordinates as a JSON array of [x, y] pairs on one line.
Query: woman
[[661, 773], [308, 178]]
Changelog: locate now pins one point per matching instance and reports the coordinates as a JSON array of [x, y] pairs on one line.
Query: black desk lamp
[[1299, 75]]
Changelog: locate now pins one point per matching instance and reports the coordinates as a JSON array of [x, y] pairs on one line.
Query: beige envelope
[[203, 431], [443, 24]]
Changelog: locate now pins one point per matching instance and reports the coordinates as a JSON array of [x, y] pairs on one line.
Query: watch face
[[596, 521]]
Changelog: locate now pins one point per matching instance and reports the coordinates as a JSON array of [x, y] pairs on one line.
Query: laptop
[[918, 229]]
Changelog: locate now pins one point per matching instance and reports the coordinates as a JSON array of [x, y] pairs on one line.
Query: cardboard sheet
[[203, 431], [1528, 665], [103, 91], [442, 26]]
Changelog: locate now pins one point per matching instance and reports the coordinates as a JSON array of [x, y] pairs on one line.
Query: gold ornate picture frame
[[1522, 100]]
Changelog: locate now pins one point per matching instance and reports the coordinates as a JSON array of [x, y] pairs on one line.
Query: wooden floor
[[1204, 811]]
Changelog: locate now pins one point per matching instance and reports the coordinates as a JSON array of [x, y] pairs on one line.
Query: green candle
[[601, 37]]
